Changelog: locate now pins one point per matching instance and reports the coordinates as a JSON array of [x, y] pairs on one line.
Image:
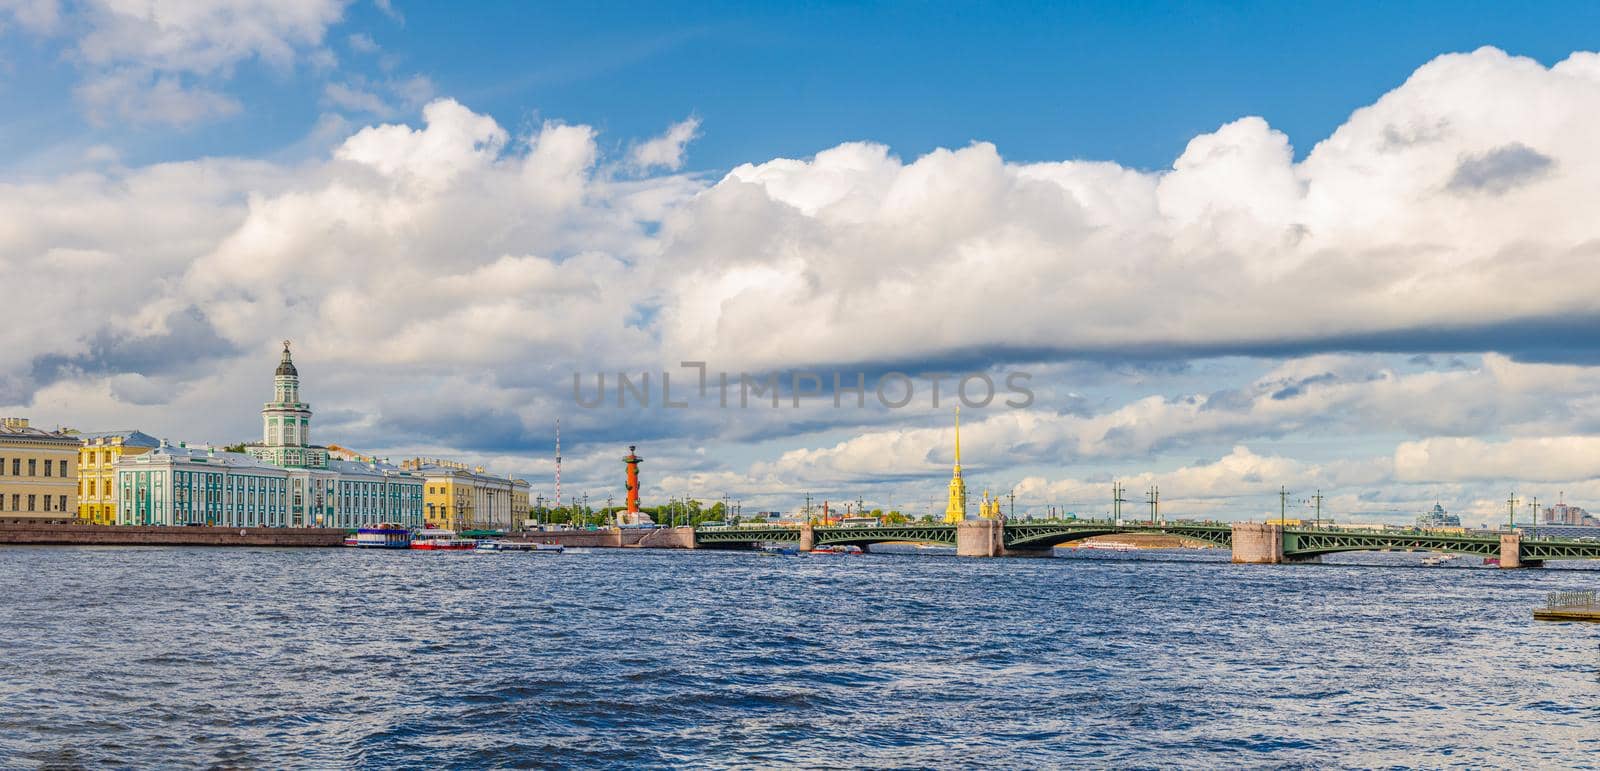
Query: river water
[[331, 658]]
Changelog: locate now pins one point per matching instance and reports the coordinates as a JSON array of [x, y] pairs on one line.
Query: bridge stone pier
[[1511, 552], [1255, 544], [980, 538], [1260, 544], [808, 537], [987, 538]]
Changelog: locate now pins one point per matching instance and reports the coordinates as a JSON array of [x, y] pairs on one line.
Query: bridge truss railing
[[842, 536], [1541, 549], [1043, 536], [1312, 542], [756, 534]]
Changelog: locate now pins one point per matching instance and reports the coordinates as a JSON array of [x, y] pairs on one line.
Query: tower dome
[[286, 367]]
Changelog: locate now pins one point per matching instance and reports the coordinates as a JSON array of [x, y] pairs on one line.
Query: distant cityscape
[[131, 478], [1562, 514]]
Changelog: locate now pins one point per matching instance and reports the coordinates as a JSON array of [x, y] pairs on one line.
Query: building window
[[31, 502], [16, 468], [2, 467], [64, 473]]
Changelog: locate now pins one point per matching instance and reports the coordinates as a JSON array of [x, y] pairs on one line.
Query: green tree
[[716, 513]]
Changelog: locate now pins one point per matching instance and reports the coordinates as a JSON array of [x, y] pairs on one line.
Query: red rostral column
[[633, 462]]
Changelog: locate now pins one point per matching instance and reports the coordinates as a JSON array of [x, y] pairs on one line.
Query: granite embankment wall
[[131, 535]]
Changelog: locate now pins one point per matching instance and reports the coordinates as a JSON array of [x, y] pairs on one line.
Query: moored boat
[[384, 535], [442, 540], [496, 545]]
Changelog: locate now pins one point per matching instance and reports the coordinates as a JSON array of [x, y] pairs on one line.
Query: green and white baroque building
[[284, 481]]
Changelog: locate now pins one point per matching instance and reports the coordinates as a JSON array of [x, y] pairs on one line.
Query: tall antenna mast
[[558, 463]]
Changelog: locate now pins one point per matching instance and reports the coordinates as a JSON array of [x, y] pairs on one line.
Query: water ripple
[[240, 658]]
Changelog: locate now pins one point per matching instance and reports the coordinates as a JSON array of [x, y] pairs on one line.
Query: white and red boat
[[442, 540]]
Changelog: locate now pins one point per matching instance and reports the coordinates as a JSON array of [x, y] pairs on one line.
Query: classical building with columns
[[283, 481], [460, 497]]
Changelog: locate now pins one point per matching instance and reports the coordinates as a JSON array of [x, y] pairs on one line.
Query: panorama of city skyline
[[390, 384]]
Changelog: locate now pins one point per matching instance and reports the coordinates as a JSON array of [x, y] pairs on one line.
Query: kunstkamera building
[[284, 481]]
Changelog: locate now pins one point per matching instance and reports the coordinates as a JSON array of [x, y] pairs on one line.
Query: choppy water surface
[[338, 658]]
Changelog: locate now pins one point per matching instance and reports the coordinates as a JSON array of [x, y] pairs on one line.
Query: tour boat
[[442, 540], [544, 548], [384, 535], [1105, 546]]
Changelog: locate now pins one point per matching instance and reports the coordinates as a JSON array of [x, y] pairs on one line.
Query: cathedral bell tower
[[955, 511]]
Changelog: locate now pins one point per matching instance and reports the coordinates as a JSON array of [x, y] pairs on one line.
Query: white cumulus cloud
[[667, 150]]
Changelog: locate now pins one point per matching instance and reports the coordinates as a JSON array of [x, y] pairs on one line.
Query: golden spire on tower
[[956, 510]]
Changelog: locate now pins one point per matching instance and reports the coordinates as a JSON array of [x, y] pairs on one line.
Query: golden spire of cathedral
[[956, 510], [958, 440]]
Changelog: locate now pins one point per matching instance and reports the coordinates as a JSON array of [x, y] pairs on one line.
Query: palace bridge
[[1249, 542]]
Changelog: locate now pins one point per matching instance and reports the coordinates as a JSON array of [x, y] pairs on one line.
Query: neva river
[[328, 658]]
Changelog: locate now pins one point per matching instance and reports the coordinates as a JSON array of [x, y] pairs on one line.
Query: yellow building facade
[[458, 497], [38, 473], [521, 505], [97, 472]]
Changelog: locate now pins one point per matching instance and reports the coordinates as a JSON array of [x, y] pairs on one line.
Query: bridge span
[[1249, 542]]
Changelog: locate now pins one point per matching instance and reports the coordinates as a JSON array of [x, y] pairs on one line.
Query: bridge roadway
[[1249, 542]]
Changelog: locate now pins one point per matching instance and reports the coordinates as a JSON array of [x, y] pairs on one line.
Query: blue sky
[[1129, 82], [451, 212]]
